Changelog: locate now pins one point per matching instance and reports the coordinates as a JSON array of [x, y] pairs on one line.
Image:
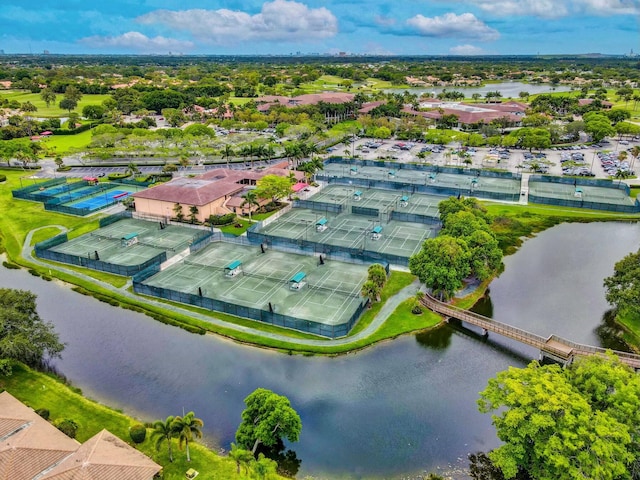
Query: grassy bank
[[38, 390], [23, 216]]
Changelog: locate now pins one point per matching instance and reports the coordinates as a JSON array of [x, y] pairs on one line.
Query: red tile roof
[[104, 456], [29, 444]]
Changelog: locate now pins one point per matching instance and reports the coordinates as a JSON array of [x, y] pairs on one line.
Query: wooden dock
[[557, 347]]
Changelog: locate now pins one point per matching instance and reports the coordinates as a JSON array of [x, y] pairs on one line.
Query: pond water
[[506, 89], [405, 406]]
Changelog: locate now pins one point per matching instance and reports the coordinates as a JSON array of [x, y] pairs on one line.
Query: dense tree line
[[24, 336], [466, 247], [567, 423]]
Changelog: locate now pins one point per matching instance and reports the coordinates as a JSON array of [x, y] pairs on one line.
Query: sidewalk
[[385, 312]]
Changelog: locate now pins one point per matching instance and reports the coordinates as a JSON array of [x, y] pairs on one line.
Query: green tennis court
[[352, 231], [108, 242], [463, 182], [329, 292], [587, 193], [399, 200]]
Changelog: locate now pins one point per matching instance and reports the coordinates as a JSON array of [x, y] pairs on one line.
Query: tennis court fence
[[261, 315], [583, 202], [420, 168], [43, 250], [415, 218], [36, 191], [325, 250], [427, 188], [318, 206], [338, 252]]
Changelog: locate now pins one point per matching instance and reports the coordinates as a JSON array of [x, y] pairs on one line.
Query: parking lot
[[513, 159]]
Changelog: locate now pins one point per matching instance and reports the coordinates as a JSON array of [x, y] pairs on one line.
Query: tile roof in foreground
[[33, 449]]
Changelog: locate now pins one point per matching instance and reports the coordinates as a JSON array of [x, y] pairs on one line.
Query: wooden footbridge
[[553, 347]]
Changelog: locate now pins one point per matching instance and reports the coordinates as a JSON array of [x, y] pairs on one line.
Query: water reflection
[[437, 338], [610, 333]]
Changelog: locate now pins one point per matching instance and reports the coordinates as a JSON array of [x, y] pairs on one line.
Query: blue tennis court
[[103, 199]]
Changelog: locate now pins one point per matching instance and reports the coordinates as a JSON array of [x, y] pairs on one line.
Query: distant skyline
[[283, 27]]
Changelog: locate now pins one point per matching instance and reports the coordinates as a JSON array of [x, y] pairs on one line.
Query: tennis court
[[108, 242], [97, 199], [587, 193], [330, 291], [466, 183], [382, 200], [352, 231]]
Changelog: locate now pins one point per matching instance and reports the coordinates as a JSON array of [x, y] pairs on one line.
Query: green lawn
[[38, 390], [53, 110], [61, 144]]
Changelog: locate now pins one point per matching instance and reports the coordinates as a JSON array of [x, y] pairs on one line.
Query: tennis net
[[104, 237], [147, 243], [265, 277], [204, 265], [353, 294]]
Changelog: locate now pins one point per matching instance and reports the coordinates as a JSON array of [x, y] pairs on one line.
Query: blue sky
[[393, 27]]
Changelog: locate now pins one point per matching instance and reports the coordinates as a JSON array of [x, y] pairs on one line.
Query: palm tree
[[228, 152], [250, 198], [371, 290], [193, 213], [163, 431], [186, 428], [241, 456], [635, 153]]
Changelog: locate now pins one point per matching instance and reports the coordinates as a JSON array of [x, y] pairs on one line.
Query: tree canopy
[[565, 424], [23, 334], [268, 418], [273, 187], [466, 246], [623, 287]]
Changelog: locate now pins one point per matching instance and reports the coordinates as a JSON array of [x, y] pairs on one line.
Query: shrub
[[222, 219], [138, 433], [416, 309], [43, 412], [117, 176], [3, 178], [67, 426]]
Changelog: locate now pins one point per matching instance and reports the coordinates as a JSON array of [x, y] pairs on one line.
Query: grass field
[[38, 390], [62, 144], [53, 110]]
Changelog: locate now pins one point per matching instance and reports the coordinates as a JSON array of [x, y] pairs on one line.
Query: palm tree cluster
[[184, 428]]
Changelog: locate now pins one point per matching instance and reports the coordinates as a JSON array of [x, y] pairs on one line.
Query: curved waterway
[[405, 406]]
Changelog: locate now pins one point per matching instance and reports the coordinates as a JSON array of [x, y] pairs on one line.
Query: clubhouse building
[[216, 192]]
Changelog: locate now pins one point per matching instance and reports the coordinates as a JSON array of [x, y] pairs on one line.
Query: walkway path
[[385, 312], [558, 347]]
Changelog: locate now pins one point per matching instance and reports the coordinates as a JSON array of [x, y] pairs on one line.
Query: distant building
[[216, 192], [470, 114]]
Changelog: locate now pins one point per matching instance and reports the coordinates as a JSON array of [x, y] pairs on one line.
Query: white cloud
[[610, 7], [139, 42], [279, 20], [465, 25], [536, 8], [466, 50], [557, 8]]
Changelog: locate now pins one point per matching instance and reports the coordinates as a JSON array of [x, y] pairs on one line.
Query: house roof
[[28, 443], [104, 456], [190, 191], [210, 186], [31, 447]]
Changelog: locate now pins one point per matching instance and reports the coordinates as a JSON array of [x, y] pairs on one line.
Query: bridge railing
[[482, 321], [523, 336], [629, 358]]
